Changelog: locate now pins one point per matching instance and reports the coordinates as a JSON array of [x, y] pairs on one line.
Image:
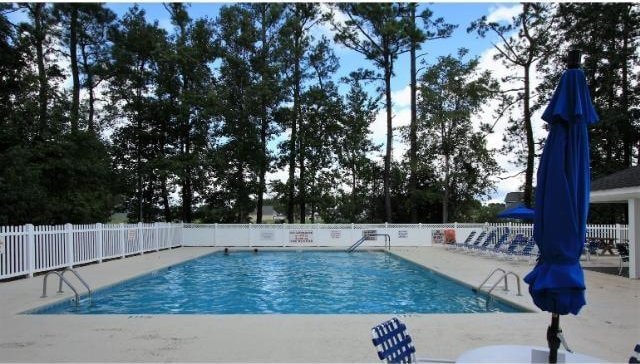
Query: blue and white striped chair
[[635, 356], [394, 344]]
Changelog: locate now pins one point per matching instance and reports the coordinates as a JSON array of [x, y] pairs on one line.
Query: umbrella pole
[[553, 339]]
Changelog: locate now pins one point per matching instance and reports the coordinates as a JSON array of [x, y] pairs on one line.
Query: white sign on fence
[[132, 236], [403, 234], [369, 234], [301, 236], [437, 236], [1, 246], [335, 234], [267, 235]]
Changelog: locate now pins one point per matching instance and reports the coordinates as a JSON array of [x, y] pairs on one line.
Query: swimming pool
[[286, 282]]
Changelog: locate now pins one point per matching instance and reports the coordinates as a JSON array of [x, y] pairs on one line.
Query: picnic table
[[605, 244]]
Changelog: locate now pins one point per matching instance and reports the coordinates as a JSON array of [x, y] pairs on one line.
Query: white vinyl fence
[[28, 249]]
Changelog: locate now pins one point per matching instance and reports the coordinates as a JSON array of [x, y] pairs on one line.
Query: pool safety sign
[[437, 236], [301, 236], [336, 234], [369, 234]]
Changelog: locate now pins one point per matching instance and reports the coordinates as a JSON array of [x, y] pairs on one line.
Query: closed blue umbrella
[[518, 212], [556, 283]]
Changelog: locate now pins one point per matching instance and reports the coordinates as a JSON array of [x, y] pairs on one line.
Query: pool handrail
[[387, 240], [67, 269], [44, 285]]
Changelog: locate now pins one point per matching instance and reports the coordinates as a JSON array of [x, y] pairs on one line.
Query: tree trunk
[[73, 55], [387, 158], [528, 183], [264, 125], [302, 188], [187, 185], [413, 127], [294, 135], [139, 145], [624, 97], [89, 85], [263, 162], [165, 199], [39, 36]]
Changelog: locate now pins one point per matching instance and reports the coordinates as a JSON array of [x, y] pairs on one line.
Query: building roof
[[514, 197], [629, 177]]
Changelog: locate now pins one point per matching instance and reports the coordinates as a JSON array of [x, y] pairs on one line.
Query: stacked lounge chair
[[466, 242], [479, 247]]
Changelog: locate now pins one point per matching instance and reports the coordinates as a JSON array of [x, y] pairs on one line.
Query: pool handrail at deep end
[[387, 240]]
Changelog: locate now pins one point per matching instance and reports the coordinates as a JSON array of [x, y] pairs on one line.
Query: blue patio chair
[[635, 356], [591, 248], [394, 344], [623, 250]]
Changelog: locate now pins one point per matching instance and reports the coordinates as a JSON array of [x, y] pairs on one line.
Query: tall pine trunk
[[387, 158], [294, 131], [75, 75], [528, 183], [413, 130], [89, 85], [39, 37]]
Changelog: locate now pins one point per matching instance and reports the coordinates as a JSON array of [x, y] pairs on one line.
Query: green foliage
[[451, 91], [608, 35]]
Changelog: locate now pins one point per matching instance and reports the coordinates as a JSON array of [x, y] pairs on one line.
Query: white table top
[[520, 354]]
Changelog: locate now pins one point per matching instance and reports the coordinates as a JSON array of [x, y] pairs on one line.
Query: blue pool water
[[286, 282]]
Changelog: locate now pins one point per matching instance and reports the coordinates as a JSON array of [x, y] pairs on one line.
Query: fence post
[[156, 236], [353, 228], [215, 234], [618, 233], [99, 241], [122, 240], [69, 233], [284, 234], [181, 233], [140, 238], [31, 246], [250, 230]]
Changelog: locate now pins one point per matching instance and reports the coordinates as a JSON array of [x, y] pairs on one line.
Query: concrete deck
[[608, 327]]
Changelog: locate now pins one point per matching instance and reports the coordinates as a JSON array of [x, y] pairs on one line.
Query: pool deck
[[608, 327]]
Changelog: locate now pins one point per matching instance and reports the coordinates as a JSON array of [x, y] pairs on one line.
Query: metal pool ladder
[[60, 275], [504, 276], [387, 242]]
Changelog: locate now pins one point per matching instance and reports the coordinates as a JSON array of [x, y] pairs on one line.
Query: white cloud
[[503, 13]]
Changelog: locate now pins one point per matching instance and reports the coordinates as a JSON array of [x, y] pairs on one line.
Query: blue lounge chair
[[394, 344], [496, 248], [530, 250], [466, 241], [489, 239], [517, 242], [479, 239]]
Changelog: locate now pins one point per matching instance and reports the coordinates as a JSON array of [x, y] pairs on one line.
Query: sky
[[461, 14]]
